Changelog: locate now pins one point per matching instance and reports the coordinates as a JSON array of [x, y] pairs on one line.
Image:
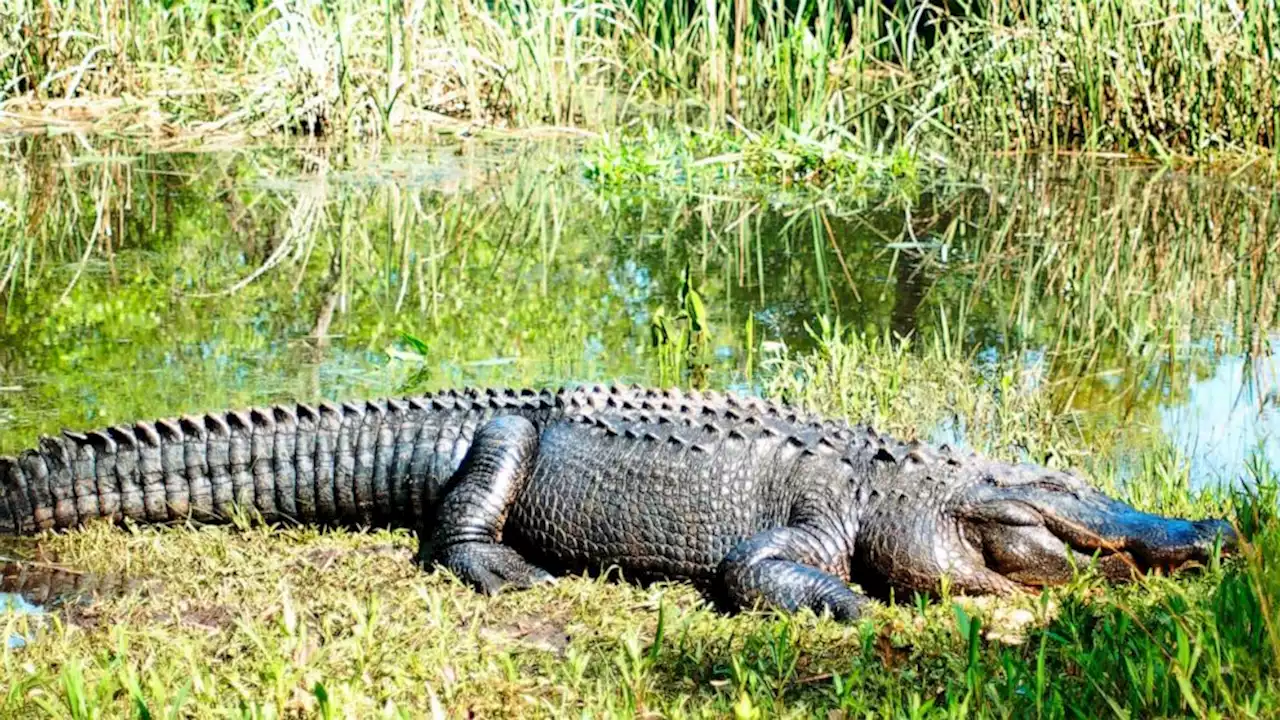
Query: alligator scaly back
[[356, 463]]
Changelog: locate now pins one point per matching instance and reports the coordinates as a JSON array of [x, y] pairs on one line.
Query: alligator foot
[[768, 569], [469, 521], [492, 568]]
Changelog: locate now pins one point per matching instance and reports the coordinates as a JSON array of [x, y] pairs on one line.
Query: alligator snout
[[1144, 541], [1165, 546], [1184, 543], [1037, 531]]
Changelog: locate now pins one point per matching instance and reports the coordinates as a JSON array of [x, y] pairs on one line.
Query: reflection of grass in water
[[1111, 273], [680, 340]]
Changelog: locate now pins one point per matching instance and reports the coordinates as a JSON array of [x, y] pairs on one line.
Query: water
[[29, 586], [1228, 415], [15, 590], [16, 603], [140, 285]]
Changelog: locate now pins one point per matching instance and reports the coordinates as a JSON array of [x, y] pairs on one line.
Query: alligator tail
[[354, 464], [40, 584]]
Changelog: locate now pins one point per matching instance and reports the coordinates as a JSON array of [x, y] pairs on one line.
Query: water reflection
[[1227, 416], [12, 600], [29, 587], [141, 285], [16, 603], [14, 595]]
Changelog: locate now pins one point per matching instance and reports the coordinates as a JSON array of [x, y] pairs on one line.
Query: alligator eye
[[1050, 485], [990, 480]]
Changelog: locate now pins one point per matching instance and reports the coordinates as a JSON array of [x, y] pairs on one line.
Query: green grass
[[1162, 80], [251, 621]]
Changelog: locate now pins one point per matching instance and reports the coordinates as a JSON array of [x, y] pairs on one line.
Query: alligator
[[50, 585], [754, 502]]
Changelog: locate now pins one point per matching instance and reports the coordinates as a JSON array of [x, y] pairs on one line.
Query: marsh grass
[[1155, 79]]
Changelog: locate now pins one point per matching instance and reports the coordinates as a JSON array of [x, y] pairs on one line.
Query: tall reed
[[1185, 77]]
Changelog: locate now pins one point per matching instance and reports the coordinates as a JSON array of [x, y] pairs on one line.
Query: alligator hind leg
[[770, 569], [470, 517]]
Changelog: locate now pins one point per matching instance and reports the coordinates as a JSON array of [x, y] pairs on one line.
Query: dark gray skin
[[753, 502], [44, 584]]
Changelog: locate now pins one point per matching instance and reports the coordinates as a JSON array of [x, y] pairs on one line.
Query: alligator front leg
[[468, 524], [770, 568]]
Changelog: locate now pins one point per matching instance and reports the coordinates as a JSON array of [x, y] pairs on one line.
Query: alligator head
[[996, 528]]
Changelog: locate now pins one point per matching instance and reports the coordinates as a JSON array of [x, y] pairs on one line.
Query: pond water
[[140, 285]]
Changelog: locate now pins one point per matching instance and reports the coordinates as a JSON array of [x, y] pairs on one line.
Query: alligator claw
[[492, 568]]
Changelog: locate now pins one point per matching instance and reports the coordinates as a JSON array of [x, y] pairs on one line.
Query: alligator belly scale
[[757, 503]]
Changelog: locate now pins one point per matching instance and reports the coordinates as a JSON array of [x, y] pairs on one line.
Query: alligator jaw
[[1128, 542], [1036, 528]]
